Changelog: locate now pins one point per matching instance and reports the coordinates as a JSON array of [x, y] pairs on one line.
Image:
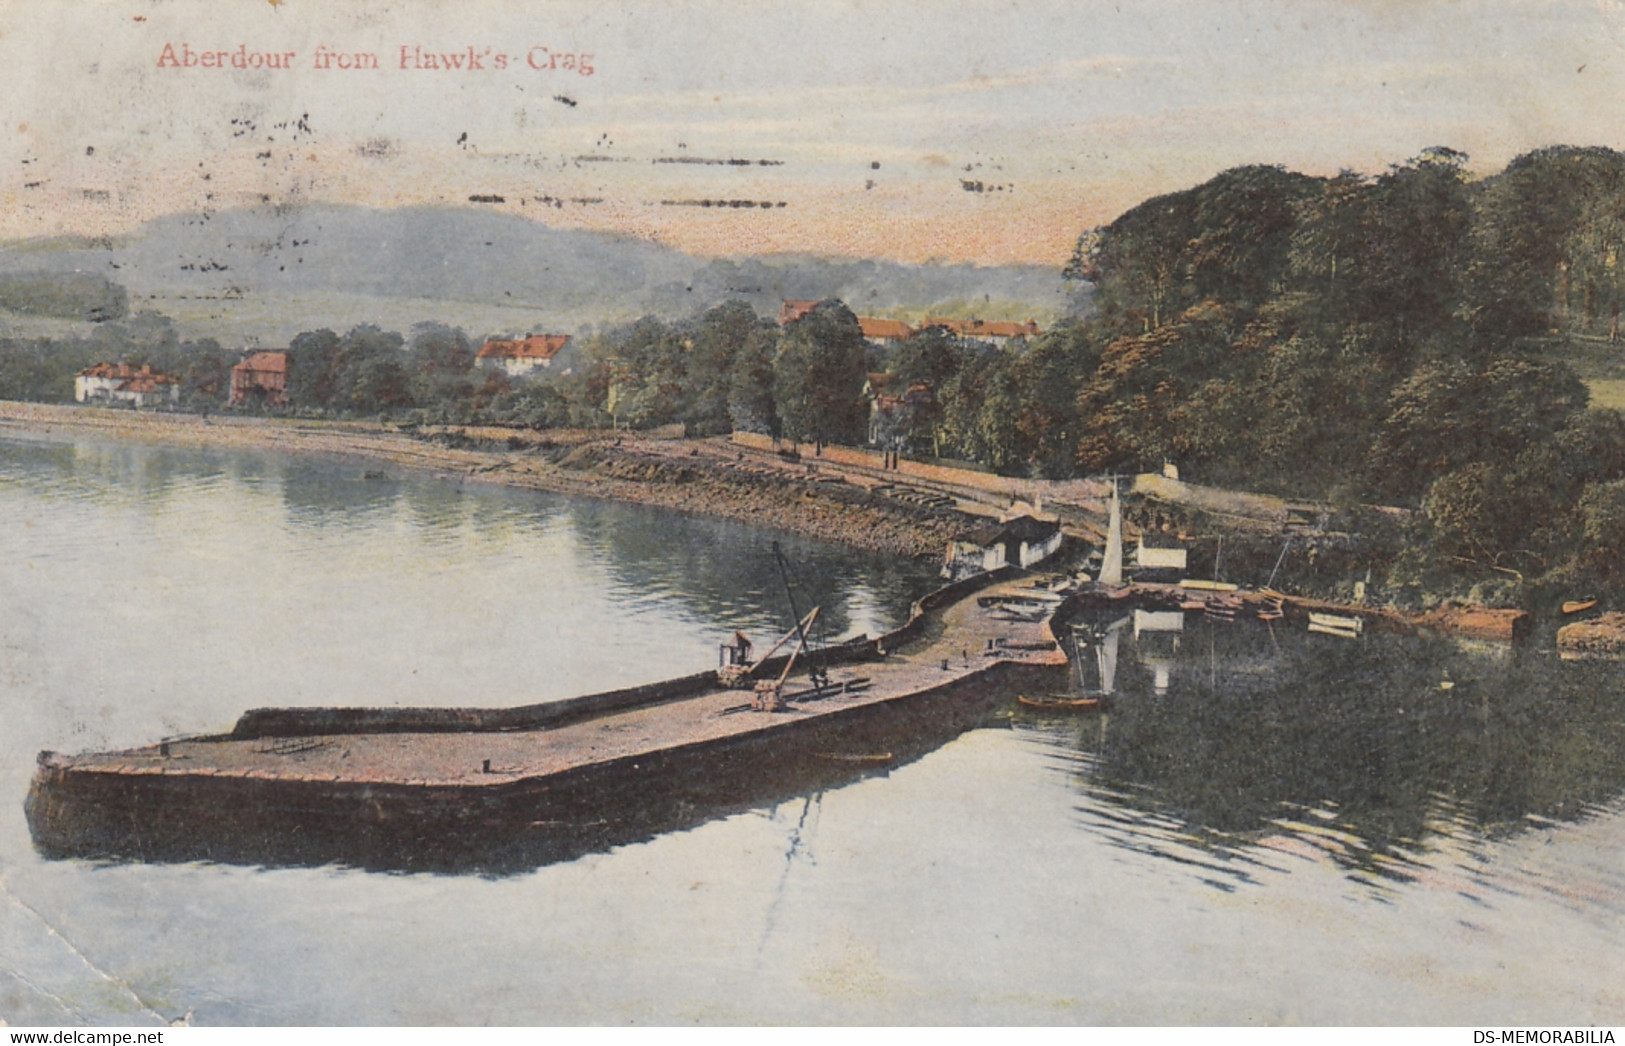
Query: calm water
[[1294, 829]]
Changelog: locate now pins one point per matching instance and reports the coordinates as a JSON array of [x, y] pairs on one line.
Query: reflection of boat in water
[[1066, 703], [1105, 641]]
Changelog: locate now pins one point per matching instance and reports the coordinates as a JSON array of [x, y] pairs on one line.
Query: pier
[[369, 785]]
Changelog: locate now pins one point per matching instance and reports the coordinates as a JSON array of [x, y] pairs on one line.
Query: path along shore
[[709, 477]]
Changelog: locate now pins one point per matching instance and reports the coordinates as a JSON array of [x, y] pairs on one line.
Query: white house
[[121, 383], [1021, 542], [522, 356]]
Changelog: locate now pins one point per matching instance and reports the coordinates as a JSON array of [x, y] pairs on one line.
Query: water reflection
[[1233, 748], [723, 574], [727, 572], [348, 496]]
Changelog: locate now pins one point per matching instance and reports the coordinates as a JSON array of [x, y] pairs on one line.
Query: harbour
[[1289, 806]]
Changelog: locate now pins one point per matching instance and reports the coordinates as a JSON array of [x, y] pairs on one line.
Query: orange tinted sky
[[986, 132]]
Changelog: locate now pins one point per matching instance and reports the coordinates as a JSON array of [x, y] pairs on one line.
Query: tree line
[[1396, 338]]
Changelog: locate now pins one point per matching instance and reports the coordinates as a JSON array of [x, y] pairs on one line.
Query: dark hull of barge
[[499, 828]]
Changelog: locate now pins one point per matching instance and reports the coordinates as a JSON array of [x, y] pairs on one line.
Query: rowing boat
[[1065, 704]]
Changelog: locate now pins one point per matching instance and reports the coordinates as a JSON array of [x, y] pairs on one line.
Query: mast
[[1111, 564], [801, 625]]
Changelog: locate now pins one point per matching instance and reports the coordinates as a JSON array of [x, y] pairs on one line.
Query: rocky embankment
[[708, 477], [812, 505]]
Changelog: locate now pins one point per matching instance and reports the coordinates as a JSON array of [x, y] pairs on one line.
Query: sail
[[1111, 566]]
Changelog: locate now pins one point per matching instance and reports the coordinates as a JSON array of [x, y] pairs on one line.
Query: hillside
[[263, 274]]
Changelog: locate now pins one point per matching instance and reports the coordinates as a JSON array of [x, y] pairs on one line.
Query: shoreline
[[700, 476], [709, 477]]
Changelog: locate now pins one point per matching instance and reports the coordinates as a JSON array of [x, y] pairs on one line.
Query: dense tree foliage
[[818, 377], [1388, 341]]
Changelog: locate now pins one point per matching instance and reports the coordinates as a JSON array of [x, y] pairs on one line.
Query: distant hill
[[267, 273]]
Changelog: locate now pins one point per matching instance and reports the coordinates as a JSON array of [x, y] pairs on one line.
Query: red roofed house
[[882, 333], [262, 378], [995, 332], [522, 355], [122, 383]]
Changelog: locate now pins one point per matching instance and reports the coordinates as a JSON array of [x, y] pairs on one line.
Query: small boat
[[1336, 624], [1005, 612], [1578, 606], [1207, 586], [1066, 703], [857, 757]]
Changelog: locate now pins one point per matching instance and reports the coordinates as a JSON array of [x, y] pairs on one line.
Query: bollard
[[485, 767]]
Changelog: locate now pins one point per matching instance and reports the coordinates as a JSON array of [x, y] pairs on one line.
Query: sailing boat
[[1106, 643], [1111, 564]]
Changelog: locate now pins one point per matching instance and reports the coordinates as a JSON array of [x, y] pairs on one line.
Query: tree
[[1477, 514], [818, 376], [750, 388], [1046, 379], [1447, 415], [313, 358], [717, 341], [1602, 515], [1541, 235], [923, 367], [1410, 247]]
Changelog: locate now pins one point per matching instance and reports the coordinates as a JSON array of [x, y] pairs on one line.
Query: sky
[[985, 131]]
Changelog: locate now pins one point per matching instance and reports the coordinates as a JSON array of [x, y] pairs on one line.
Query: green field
[[1607, 393]]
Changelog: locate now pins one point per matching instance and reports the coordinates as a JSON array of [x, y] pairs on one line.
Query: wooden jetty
[[484, 789]]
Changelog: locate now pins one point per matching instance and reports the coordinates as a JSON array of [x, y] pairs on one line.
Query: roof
[[530, 347], [266, 362], [985, 328], [124, 372], [1028, 529], [984, 536], [877, 328], [793, 309], [1022, 528], [152, 384]]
